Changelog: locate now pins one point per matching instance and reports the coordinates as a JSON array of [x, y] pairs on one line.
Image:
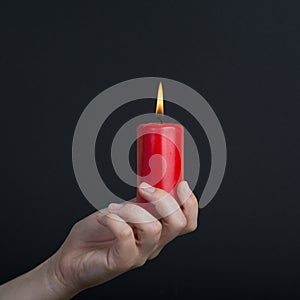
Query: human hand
[[119, 238]]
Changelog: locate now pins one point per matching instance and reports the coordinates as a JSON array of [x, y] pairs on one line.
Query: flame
[[160, 100]]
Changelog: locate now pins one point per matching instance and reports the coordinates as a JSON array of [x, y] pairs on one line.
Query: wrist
[[55, 283]]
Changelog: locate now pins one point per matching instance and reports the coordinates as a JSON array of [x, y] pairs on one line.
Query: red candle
[[160, 153]]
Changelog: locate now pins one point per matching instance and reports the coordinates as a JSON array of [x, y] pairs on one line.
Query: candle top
[[159, 126]]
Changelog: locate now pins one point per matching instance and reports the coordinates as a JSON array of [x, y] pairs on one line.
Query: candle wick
[[159, 117]]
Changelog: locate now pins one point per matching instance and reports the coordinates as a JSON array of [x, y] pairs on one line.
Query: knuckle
[[154, 254], [156, 250], [140, 262], [154, 228], [76, 227], [192, 227], [180, 223], [126, 233]]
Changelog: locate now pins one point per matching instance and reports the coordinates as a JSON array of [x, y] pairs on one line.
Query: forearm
[[41, 283]]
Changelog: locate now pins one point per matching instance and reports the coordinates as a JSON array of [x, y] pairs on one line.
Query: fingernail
[[100, 215], [114, 206], [115, 217], [186, 188], [147, 187], [103, 211], [184, 191]]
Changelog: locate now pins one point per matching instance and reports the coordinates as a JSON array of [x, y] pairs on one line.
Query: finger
[[147, 229], [88, 229], [172, 217], [189, 206], [124, 250], [131, 212]]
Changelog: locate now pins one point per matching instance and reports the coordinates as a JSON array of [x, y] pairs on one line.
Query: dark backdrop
[[242, 56]]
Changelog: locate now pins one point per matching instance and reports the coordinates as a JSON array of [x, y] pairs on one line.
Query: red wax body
[[153, 141]]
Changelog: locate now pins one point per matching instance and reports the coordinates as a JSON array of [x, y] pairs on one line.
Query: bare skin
[[106, 244]]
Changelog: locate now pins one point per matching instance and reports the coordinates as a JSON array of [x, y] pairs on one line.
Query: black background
[[242, 56]]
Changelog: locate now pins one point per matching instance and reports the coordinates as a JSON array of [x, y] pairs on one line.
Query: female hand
[[107, 244], [124, 236]]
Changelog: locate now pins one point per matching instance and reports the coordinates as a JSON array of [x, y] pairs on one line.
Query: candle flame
[[160, 100]]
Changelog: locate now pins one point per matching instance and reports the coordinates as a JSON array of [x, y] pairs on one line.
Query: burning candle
[[160, 152]]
